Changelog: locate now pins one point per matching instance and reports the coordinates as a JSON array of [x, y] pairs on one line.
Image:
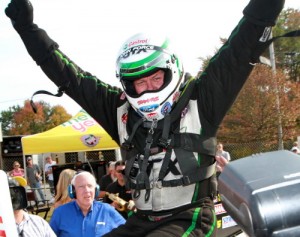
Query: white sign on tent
[[7, 221], [1, 138]]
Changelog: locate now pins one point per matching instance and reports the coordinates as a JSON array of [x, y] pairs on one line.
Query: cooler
[[262, 193]]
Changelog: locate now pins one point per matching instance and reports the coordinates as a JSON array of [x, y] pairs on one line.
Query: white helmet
[[140, 56]]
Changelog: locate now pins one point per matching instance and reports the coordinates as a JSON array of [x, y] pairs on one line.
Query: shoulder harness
[[183, 144]]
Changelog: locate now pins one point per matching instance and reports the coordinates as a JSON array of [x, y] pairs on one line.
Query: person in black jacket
[[118, 187], [107, 179], [167, 129]]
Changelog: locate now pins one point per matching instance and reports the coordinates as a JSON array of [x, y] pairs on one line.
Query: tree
[[288, 49], [254, 116], [6, 118], [23, 121]]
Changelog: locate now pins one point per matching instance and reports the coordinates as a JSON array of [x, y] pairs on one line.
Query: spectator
[[222, 158], [221, 163], [107, 179], [28, 225], [17, 170], [221, 152], [49, 174], [118, 187], [84, 216], [64, 180], [34, 179]]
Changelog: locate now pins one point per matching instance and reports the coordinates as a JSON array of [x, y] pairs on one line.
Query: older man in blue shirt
[[84, 216]]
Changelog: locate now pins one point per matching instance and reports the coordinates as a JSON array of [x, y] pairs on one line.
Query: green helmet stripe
[[142, 69], [146, 64]]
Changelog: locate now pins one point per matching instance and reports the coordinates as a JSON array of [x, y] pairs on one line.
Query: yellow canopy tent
[[80, 133]]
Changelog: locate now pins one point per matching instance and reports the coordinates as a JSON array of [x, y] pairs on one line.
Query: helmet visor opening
[[127, 82]]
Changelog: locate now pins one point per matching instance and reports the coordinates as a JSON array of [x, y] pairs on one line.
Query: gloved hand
[[38, 44], [263, 12], [21, 14]]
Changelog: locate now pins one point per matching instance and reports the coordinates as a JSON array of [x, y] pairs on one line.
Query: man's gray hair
[[83, 173]]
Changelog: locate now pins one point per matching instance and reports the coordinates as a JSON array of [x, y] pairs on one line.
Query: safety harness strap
[[184, 144], [197, 175], [143, 178], [127, 145], [195, 143], [295, 33]]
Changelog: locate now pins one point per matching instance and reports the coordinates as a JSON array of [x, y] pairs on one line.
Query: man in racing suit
[[166, 129]]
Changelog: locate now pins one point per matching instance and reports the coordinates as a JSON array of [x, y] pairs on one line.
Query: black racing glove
[[21, 14], [263, 12], [38, 44]]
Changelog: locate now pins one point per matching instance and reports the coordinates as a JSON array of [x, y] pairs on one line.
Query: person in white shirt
[[27, 225], [221, 152], [222, 158], [49, 173]]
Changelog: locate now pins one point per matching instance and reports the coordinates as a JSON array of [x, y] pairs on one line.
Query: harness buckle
[[158, 184], [165, 143], [186, 181], [127, 145]]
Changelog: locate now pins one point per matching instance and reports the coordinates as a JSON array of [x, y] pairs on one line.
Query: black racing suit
[[172, 209]]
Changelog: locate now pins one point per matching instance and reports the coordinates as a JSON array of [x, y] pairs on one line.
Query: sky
[[90, 32]]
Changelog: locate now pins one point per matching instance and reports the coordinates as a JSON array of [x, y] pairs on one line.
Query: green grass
[[41, 214]]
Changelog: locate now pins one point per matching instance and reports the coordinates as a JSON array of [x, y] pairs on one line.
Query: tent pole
[[44, 175], [118, 154], [25, 165]]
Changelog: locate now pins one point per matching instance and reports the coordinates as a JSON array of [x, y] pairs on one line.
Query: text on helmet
[[136, 50]]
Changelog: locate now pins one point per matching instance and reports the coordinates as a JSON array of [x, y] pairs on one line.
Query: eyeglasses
[[16, 165]]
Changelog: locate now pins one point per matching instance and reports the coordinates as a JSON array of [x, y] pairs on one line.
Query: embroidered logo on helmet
[[136, 50], [149, 100], [166, 108], [152, 115], [149, 108]]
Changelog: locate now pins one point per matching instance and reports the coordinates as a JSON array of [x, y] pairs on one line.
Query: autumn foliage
[[266, 101], [23, 121]]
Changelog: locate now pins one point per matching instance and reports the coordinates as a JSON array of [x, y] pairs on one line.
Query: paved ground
[[45, 190], [242, 235]]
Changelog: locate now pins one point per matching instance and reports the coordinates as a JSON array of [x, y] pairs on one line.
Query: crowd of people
[[84, 214], [27, 225], [34, 177], [165, 125], [83, 205], [81, 213]]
